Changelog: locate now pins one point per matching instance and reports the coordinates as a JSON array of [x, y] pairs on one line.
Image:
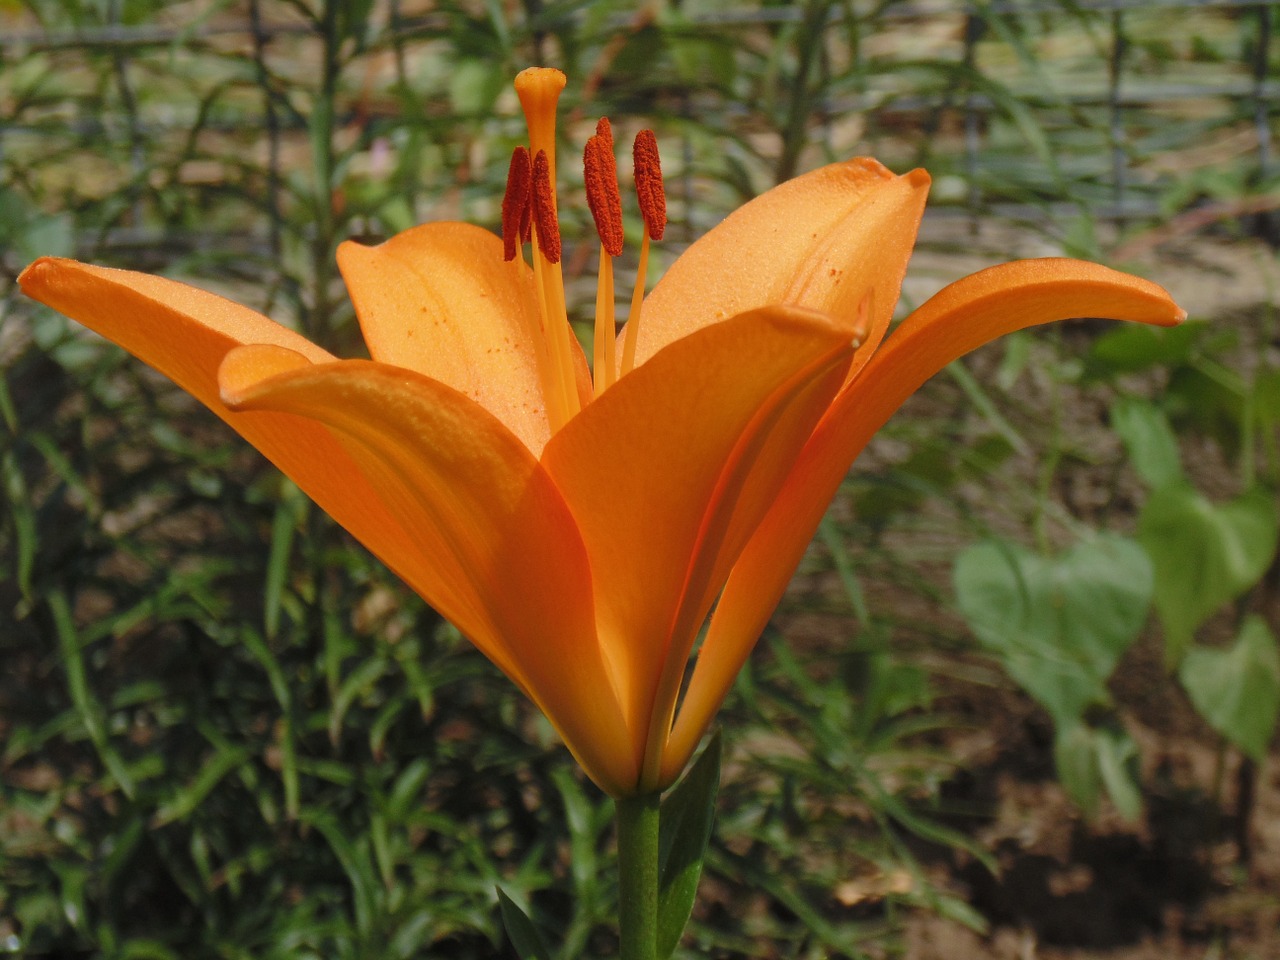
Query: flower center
[[529, 214]]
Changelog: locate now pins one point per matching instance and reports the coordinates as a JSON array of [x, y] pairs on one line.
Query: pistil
[[539, 91]]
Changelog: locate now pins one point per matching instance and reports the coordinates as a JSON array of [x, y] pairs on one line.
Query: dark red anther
[[600, 176], [517, 203], [544, 209], [649, 191]]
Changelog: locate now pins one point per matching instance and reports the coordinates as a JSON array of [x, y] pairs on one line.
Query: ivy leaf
[[1237, 689], [1058, 624], [1204, 555], [1149, 441]]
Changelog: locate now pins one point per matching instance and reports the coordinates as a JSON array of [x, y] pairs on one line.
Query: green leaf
[[1149, 441], [474, 85], [683, 833], [523, 934], [353, 18], [288, 514], [225, 759], [1073, 757], [1117, 757], [1208, 401], [1237, 689], [1266, 399], [579, 817], [1132, 347], [1059, 624], [1204, 555], [1090, 759], [1017, 354]]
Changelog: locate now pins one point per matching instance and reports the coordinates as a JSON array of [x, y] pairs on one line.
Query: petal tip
[[247, 367], [349, 253], [37, 273], [918, 178]]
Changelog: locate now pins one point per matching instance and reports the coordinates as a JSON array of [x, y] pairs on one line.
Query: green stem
[[638, 876]]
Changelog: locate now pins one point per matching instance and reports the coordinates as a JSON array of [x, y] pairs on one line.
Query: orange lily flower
[[580, 537]]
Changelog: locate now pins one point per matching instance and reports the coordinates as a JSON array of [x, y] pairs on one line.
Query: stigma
[[530, 215]]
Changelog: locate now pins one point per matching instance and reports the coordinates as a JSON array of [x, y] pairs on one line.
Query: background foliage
[[227, 732]]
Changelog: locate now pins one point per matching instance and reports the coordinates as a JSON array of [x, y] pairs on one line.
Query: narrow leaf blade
[[683, 833], [523, 934]]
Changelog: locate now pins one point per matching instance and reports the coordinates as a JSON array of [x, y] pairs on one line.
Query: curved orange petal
[[958, 319], [499, 553], [184, 333], [669, 469], [823, 240], [439, 299]]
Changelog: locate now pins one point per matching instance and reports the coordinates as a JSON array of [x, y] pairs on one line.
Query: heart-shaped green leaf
[[684, 829], [1149, 441], [1058, 625], [1237, 689], [1204, 555]]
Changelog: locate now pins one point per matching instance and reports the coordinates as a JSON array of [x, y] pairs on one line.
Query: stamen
[[604, 130], [606, 332], [516, 203], [544, 209], [653, 209], [600, 175], [632, 335], [649, 191]]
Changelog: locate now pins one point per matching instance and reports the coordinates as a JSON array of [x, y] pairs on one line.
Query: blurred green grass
[[227, 732]]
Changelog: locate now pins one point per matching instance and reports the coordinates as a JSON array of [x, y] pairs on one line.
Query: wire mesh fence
[[157, 131]]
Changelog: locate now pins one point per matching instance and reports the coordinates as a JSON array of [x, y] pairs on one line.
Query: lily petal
[[669, 469], [439, 299], [823, 240], [498, 551], [184, 333], [958, 319]]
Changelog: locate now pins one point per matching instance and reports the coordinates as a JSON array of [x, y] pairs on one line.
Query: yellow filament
[[606, 333], [560, 407], [637, 302]]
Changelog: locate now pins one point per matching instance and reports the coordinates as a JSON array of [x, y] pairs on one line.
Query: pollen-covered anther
[[517, 203], [600, 176], [649, 190], [604, 130], [544, 209]]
